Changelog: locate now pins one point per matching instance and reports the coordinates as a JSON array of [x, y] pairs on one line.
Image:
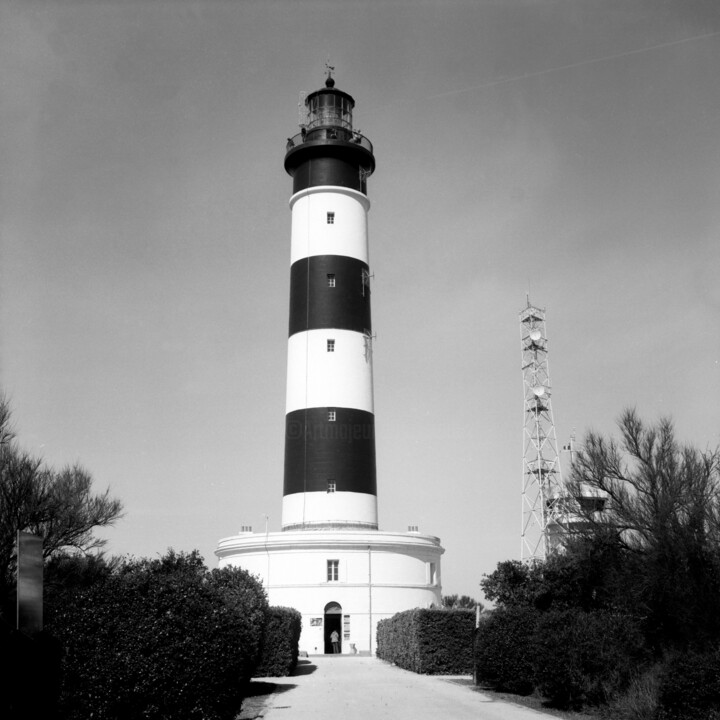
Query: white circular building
[[330, 561], [343, 580]]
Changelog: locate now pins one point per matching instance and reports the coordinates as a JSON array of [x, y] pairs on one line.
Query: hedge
[[280, 645], [432, 642], [503, 649], [159, 639]]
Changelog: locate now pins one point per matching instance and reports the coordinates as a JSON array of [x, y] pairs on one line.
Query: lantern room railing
[[329, 133]]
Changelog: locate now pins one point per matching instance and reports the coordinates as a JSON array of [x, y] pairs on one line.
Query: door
[[332, 623]]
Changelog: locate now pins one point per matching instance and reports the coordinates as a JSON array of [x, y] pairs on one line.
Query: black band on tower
[[340, 164], [329, 291], [319, 451]]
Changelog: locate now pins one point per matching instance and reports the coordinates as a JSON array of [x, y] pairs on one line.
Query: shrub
[[503, 647], [584, 657], [690, 688], [640, 700], [434, 641], [280, 644], [158, 639]]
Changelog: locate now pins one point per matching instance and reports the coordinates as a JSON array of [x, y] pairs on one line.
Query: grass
[[534, 702]]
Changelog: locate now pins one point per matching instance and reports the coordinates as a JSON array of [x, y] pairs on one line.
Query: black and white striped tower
[[330, 477]]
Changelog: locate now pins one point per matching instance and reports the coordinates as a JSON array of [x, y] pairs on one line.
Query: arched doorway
[[332, 623]]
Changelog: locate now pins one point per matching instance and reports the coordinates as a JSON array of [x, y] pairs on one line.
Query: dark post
[[29, 583]]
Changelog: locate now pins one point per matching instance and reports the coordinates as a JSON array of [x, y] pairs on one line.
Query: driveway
[[347, 687]]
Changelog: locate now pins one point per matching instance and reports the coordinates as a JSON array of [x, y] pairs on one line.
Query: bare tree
[[662, 507], [656, 489], [57, 505]]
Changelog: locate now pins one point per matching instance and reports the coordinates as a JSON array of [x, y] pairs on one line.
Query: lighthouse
[[330, 560], [330, 475]]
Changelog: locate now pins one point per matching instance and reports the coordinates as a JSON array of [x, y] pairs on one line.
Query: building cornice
[[374, 540]]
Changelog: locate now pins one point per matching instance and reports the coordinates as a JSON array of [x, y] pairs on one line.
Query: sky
[[562, 150]]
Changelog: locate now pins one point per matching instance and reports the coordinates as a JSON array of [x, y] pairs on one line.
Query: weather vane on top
[[330, 68]]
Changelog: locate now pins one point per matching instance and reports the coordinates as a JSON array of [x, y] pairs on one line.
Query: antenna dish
[[539, 390], [535, 335]]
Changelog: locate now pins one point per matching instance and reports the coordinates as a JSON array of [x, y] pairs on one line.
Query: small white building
[[330, 561]]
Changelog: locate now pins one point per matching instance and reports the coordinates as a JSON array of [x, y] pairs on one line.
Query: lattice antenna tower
[[544, 504]]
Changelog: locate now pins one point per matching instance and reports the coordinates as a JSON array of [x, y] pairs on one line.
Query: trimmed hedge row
[[571, 657], [431, 642], [281, 641]]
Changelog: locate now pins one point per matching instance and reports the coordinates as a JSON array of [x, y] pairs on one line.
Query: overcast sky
[[565, 148]]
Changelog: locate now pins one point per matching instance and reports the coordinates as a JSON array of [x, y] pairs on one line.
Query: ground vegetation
[[627, 610]]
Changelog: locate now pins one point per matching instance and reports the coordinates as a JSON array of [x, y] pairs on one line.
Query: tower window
[[333, 570], [330, 345], [331, 279], [331, 218], [332, 415], [331, 486]]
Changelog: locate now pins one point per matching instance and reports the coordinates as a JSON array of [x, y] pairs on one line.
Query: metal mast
[[543, 503]]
